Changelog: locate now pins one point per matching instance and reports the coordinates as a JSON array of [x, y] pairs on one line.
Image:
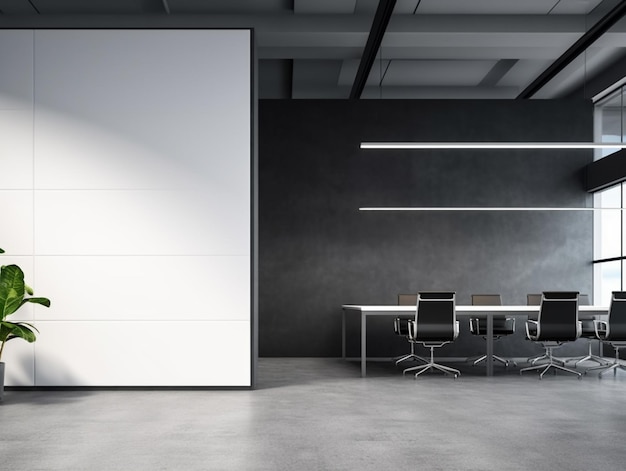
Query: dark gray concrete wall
[[317, 251]]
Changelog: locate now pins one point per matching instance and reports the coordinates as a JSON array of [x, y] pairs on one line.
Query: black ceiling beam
[[34, 7], [606, 171], [575, 49], [379, 26]]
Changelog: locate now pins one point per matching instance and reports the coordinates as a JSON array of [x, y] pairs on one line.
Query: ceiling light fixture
[[474, 208], [492, 145]]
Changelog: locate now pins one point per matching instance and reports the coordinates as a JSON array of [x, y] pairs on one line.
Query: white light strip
[[473, 208], [491, 145]]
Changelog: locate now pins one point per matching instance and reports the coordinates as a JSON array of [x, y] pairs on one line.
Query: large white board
[[129, 183]]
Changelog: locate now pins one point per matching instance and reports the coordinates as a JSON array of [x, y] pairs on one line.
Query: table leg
[[363, 343], [343, 334], [489, 359]]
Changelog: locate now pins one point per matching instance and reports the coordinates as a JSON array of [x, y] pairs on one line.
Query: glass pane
[[623, 114], [608, 233], [609, 124], [608, 278]]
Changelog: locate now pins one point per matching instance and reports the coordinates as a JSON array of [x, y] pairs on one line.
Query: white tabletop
[[393, 308]]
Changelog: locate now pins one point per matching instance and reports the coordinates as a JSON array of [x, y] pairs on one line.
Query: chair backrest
[[533, 299], [435, 317], [407, 299], [617, 316], [486, 299], [558, 316]]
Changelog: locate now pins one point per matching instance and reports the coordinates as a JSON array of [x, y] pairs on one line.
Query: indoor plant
[[12, 296]]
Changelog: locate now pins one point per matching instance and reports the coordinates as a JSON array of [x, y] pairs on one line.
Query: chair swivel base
[[545, 356], [410, 356], [546, 367], [504, 361], [590, 357], [616, 365], [595, 358], [613, 367], [431, 365]]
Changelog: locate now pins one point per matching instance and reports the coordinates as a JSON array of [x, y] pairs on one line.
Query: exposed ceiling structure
[[428, 48]]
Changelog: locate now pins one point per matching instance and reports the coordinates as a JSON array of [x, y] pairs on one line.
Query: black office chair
[[533, 299], [401, 328], [588, 332], [556, 324], [435, 325], [613, 330], [502, 325]]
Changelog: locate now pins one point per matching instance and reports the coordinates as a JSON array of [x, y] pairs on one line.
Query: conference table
[[462, 311]]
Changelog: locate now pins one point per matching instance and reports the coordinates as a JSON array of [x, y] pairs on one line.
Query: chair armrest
[[579, 328], [601, 328], [512, 321], [411, 326], [456, 329], [534, 324]]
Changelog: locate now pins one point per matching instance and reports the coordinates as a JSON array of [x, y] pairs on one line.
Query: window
[[609, 222]]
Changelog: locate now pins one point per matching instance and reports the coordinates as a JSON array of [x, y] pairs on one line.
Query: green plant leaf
[[1, 251], [42, 301], [23, 330], [11, 289]]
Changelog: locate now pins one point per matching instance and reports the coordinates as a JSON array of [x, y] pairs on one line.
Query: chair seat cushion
[[589, 330], [401, 326], [501, 326]]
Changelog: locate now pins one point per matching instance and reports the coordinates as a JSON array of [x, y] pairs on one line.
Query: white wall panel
[[143, 353], [141, 223], [16, 148], [145, 288], [16, 229], [164, 154], [16, 72], [151, 70]]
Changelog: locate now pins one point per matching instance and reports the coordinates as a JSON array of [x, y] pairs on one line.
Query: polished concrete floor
[[318, 414]]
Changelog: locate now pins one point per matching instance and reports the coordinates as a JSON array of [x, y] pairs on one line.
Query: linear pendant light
[[486, 208], [492, 145]]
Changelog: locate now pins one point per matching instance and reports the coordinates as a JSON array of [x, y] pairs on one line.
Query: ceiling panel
[[485, 7], [229, 6], [18, 7], [405, 73], [57, 7], [497, 7], [575, 7], [324, 6]]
